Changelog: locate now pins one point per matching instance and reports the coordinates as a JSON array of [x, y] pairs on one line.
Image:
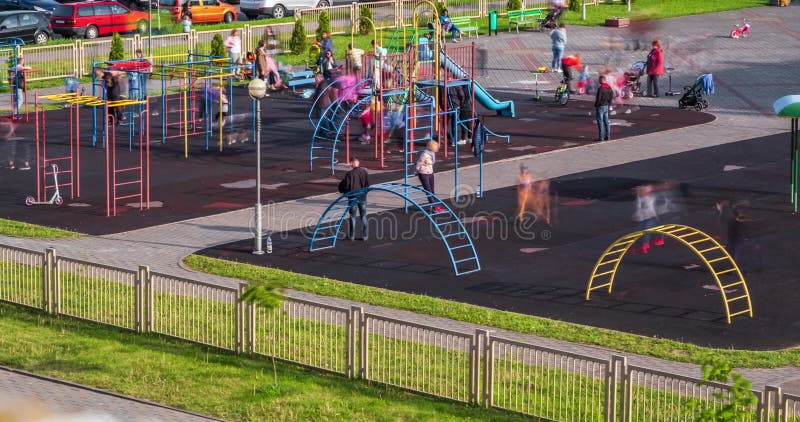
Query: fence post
[[80, 65], [355, 15], [363, 340], [142, 277], [240, 320], [350, 354], [772, 410], [616, 364], [251, 328], [48, 270], [488, 369], [398, 15], [53, 279], [475, 365]]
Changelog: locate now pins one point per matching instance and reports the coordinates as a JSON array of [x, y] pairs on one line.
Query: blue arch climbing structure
[[445, 222]]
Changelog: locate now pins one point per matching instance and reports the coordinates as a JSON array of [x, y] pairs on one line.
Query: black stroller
[[551, 20], [695, 95]]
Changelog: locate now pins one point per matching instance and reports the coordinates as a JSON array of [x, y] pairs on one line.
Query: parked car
[[277, 8], [44, 6], [203, 11], [94, 18], [31, 27]]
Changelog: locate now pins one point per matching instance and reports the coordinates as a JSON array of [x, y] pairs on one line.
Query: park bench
[[465, 24], [524, 17], [295, 79]]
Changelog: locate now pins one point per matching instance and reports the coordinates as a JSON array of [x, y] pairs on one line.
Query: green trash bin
[[492, 22]]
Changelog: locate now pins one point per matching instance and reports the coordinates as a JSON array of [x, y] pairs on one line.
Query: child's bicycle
[[562, 92]]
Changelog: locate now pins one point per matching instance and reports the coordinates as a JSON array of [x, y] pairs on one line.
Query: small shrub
[[439, 8], [514, 5], [364, 26], [117, 48], [575, 5], [218, 46], [324, 24], [298, 44]]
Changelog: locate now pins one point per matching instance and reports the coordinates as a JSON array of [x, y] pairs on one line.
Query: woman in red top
[[655, 67]]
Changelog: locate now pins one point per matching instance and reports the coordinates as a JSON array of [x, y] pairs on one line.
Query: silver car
[[277, 8]]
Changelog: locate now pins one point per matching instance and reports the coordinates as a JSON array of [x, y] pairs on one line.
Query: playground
[[543, 270], [212, 181]]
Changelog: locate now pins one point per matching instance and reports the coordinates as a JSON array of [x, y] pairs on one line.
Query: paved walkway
[[750, 74], [28, 397]]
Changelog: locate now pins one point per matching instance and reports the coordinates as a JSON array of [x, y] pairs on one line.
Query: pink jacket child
[[346, 82], [655, 60]]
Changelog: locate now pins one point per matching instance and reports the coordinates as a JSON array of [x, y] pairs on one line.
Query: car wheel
[[227, 17], [91, 32], [40, 37], [141, 26], [278, 11], [251, 16], [323, 3]]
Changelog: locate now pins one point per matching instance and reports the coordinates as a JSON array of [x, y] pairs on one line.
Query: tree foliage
[[575, 5], [218, 46], [364, 25], [117, 48], [514, 5], [323, 24], [736, 405], [298, 44]]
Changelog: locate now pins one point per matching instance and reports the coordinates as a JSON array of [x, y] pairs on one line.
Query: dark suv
[[31, 27], [44, 6]]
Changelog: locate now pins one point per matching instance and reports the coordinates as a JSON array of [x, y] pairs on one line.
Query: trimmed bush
[[298, 44], [575, 5], [218, 46], [324, 24], [514, 5], [117, 48], [364, 27]]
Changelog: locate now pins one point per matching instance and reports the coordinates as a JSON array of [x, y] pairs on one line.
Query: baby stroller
[[694, 95], [551, 20], [633, 83]]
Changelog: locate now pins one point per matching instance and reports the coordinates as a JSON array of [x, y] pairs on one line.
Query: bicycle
[[562, 92]]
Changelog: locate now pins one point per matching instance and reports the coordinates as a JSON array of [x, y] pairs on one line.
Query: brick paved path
[[28, 396], [750, 74]]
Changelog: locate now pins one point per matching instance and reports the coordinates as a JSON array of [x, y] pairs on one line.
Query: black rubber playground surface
[[210, 182], [543, 270]]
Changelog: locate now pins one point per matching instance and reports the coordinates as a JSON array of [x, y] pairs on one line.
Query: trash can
[[492, 22]]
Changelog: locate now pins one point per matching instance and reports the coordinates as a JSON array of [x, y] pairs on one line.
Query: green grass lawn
[[655, 9], [20, 229], [205, 380], [666, 349]]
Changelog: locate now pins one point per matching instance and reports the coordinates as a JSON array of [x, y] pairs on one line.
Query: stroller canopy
[[788, 106]]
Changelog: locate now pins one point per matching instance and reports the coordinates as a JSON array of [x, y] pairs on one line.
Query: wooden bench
[[525, 17], [465, 24], [294, 79]]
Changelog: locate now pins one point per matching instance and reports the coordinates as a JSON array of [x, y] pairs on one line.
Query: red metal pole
[[77, 145], [38, 157], [347, 142], [147, 148], [108, 161], [444, 99]]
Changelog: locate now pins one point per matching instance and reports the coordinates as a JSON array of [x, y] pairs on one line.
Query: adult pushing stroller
[[694, 95], [633, 83]]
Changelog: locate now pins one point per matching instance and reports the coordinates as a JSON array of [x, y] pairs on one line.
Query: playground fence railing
[[65, 60], [476, 367], [341, 19]]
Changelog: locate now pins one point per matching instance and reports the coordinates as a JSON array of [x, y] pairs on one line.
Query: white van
[[277, 8]]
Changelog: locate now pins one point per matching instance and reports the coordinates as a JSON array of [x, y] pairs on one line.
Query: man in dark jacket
[[602, 103], [355, 179]]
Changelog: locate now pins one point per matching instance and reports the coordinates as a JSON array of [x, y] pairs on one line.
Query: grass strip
[[205, 380], [20, 229], [630, 343]]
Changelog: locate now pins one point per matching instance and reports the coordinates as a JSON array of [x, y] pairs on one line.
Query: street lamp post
[[257, 89]]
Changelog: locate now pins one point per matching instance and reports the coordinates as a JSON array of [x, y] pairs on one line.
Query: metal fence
[[477, 367]]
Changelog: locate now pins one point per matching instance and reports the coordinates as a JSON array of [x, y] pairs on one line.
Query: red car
[[95, 18]]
